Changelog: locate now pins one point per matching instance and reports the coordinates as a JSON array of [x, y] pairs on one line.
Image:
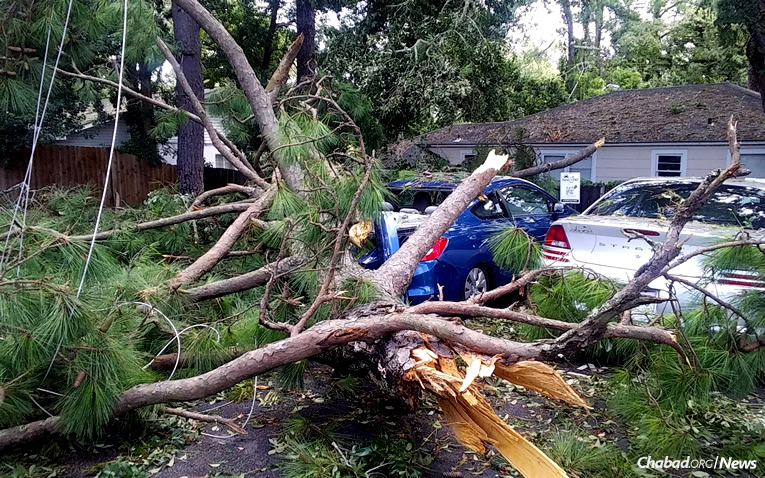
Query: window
[[584, 167], [523, 201], [669, 163], [754, 160], [729, 205], [491, 208], [220, 161], [467, 156]]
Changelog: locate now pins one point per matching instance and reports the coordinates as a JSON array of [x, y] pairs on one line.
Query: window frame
[[497, 198], [549, 200], [567, 152], [683, 153], [464, 153]]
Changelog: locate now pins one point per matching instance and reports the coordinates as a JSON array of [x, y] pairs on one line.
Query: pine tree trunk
[[191, 159], [268, 50], [144, 87], [306, 24], [756, 60], [568, 17]]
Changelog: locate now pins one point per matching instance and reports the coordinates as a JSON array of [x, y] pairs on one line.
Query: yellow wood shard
[[358, 232], [471, 417], [464, 428], [541, 378], [529, 460]]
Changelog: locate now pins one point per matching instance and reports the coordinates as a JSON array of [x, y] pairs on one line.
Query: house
[[99, 135], [673, 131]]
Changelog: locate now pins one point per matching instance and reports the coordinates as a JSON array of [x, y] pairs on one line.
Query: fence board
[[68, 166]]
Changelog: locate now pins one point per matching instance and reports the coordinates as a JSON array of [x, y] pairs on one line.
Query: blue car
[[460, 264]]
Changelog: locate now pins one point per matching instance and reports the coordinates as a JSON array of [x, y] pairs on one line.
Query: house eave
[[573, 144]]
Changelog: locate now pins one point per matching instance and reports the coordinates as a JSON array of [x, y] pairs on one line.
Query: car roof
[[743, 182], [449, 182]]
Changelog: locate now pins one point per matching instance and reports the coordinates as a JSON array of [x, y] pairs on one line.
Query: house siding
[[101, 137], [627, 162], [622, 162], [452, 154], [98, 136]]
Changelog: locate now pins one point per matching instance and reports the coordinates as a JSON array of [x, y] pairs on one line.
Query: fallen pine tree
[[301, 296]]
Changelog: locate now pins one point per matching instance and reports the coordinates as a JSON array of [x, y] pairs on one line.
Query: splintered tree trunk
[[306, 24], [191, 161]]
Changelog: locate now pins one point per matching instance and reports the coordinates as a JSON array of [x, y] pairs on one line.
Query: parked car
[[460, 262], [599, 238]]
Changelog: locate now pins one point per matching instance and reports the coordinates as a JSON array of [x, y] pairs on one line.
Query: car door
[[530, 209]]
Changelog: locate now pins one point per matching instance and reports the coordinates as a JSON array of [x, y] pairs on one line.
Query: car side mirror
[[559, 208]]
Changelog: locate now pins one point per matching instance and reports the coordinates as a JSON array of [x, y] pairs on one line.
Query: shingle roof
[[697, 113]]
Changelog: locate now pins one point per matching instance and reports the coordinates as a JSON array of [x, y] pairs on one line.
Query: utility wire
[[34, 142], [111, 150], [108, 167]]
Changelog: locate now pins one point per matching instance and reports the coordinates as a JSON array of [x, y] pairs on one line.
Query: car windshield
[[731, 205]]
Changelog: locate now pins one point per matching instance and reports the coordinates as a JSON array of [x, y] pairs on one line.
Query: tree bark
[[260, 102], [306, 24], [191, 161], [242, 282], [568, 19], [561, 163], [268, 48], [755, 55], [599, 26]]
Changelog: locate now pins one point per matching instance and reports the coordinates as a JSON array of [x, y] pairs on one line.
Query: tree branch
[[235, 159], [240, 283], [282, 72], [218, 251], [227, 189], [561, 163], [396, 273]]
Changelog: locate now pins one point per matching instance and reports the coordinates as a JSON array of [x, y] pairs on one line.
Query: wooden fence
[[588, 194], [132, 178]]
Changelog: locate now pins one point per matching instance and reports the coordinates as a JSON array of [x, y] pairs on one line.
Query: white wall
[[98, 136], [631, 161], [621, 162]]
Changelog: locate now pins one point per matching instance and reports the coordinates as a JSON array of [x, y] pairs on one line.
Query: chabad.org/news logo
[[716, 463]]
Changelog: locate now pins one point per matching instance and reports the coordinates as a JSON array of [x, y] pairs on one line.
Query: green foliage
[[313, 452], [585, 457], [92, 41], [569, 298], [96, 345], [514, 250], [426, 64], [121, 469]]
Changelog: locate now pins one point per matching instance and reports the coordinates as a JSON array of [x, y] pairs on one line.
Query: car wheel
[[476, 282]]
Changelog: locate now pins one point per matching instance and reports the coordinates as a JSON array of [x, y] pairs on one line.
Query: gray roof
[[697, 113]]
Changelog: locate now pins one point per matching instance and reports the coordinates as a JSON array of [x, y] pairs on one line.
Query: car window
[[491, 208], [730, 205], [417, 198], [525, 201]]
